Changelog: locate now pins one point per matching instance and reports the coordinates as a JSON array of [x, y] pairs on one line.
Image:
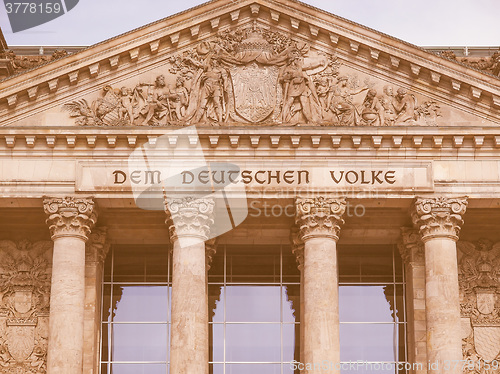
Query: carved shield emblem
[[254, 90], [485, 302], [21, 341], [487, 342], [22, 301]]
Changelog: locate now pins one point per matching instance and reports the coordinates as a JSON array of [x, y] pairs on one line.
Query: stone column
[[70, 220], [319, 220], [189, 226], [439, 220], [412, 252]]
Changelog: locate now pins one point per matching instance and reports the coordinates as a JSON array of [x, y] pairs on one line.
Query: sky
[[421, 22]]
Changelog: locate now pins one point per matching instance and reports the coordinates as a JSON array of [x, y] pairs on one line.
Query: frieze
[[25, 273], [479, 282], [254, 76]]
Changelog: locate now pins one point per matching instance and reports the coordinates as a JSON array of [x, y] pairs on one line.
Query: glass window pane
[[291, 342], [291, 303], [365, 303], [139, 342], [253, 368], [216, 348], [367, 342], [253, 303], [253, 342], [365, 264], [138, 368], [133, 264], [253, 264], [140, 303], [216, 369], [105, 329]]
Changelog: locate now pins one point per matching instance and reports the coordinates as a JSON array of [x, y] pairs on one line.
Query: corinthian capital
[[438, 216], [319, 217], [411, 246], [189, 217], [70, 216]]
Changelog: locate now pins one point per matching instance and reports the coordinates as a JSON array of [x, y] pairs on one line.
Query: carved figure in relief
[[404, 105], [212, 88], [127, 104], [154, 100], [252, 75], [178, 100], [342, 105], [299, 92]]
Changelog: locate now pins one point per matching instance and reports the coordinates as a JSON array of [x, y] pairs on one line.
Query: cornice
[[347, 138]]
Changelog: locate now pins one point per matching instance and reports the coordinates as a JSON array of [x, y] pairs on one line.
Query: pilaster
[[411, 249]]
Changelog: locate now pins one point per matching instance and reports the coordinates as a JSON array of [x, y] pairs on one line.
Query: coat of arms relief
[[479, 279], [25, 272], [254, 75]]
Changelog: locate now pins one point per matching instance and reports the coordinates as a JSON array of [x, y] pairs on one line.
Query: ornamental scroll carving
[[438, 216], [25, 273], [479, 280], [253, 76], [189, 217], [319, 216], [411, 246], [70, 216]]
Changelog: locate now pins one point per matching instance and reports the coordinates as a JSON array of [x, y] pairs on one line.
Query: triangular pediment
[[251, 62]]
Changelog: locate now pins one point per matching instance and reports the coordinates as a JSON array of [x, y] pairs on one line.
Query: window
[[371, 308], [254, 304], [136, 311]]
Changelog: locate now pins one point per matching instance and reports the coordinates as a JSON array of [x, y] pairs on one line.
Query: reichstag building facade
[[249, 186]]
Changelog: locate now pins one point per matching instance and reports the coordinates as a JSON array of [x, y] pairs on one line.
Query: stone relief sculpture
[[24, 306], [253, 76], [479, 279]]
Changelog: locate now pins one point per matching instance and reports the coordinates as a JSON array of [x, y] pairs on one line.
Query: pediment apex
[[347, 40]]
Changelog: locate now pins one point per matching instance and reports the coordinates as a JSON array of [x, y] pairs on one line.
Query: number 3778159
[[33, 8]]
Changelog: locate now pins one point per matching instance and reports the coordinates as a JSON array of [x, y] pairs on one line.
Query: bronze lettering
[[300, 176], [375, 175], [256, 179], [135, 177], [392, 176], [270, 176], [151, 173], [363, 178], [246, 176], [288, 176], [184, 173], [203, 176], [119, 173], [332, 174], [350, 172]]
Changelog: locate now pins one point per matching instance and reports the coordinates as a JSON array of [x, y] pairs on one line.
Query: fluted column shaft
[[70, 221], [319, 220], [189, 225], [439, 221]]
